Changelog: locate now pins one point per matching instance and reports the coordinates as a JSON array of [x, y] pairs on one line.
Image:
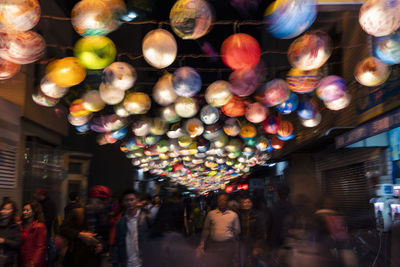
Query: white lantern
[[163, 92], [51, 89], [111, 95], [159, 48]]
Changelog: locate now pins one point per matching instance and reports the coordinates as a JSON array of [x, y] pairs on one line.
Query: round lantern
[[256, 112], [232, 127], [371, 72], [77, 109], [43, 100], [234, 145], [185, 141], [95, 52], [313, 121], [310, 51], [163, 92], [339, 103], [175, 131], [271, 124], [169, 114], [107, 123], [186, 107], [137, 103], [111, 95], [288, 19], [244, 82], [151, 139], [277, 143], [302, 81], [263, 143], [119, 134], [20, 15], [289, 105], [141, 127], [22, 47], [209, 114], [220, 141], [235, 107], [202, 145], [285, 131], [92, 101], [159, 48], [380, 17], [273, 93], [119, 75], [240, 51], [194, 127], [387, 48], [212, 132], [306, 109], [66, 72], [218, 93], [120, 110], [248, 131], [163, 146], [83, 128], [8, 69], [49, 88], [191, 19], [186, 82], [331, 88]]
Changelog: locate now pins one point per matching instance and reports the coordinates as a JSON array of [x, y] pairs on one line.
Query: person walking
[[10, 237], [32, 251]]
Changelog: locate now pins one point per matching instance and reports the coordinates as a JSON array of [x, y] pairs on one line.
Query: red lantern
[[229, 189], [245, 186], [239, 187], [285, 128], [236, 107], [240, 51], [177, 167], [271, 124], [277, 143]]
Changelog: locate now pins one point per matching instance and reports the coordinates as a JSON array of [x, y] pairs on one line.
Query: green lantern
[[95, 52]]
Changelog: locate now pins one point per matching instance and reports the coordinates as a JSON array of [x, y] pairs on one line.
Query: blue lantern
[[387, 48], [306, 110], [186, 82], [289, 105]]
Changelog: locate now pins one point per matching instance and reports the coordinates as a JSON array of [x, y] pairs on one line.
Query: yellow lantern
[[159, 48], [137, 103], [66, 72], [95, 52], [19, 15], [92, 101]]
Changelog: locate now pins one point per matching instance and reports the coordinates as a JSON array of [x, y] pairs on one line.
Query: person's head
[[156, 200], [130, 200], [32, 210], [98, 198], [246, 203], [283, 192], [40, 194], [222, 202], [73, 196], [8, 211]]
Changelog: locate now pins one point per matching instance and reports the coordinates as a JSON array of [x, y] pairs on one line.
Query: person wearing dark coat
[[48, 207], [10, 237]]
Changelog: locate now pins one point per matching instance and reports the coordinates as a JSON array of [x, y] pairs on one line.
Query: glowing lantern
[[285, 131], [43, 100], [271, 124], [8, 69], [119, 75], [339, 103], [191, 19], [262, 143], [152, 139], [244, 82], [22, 47], [288, 19], [240, 51], [49, 88], [231, 127], [159, 48], [380, 17], [220, 141], [194, 127], [256, 112], [77, 109], [218, 93], [95, 52], [387, 48], [274, 93], [306, 109], [66, 72], [186, 107], [185, 141], [137, 103], [229, 189], [119, 134], [248, 131], [163, 146], [83, 128], [277, 143], [302, 81], [209, 114], [310, 51], [120, 110], [20, 15], [175, 131], [163, 92], [289, 105], [158, 126], [236, 107], [79, 121], [169, 114], [111, 95], [212, 132], [186, 82], [331, 88], [141, 127], [92, 101], [371, 72], [313, 121], [107, 123]]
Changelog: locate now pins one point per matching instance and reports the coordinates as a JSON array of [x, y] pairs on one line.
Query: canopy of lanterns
[[199, 139]]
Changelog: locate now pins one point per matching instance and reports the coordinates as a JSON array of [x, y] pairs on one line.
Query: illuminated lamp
[[175, 131], [245, 186], [273, 93], [248, 131], [20, 15], [212, 132], [95, 52], [220, 141], [152, 139], [285, 129], [159, 48], [209, 114], [77, 109], [202, 145], [306, 109], [289, 105], [271, 124], [43, 100], [236, 107], [119, 134], [277, 143], [244, 82], [158, 126], [262, 143], [302, 81], [8, 69], [120, 110], [387, 48], [163, 91], [310, 51], [186, 107], [240, 51], [218, 93], [185, 141], [256, 112], [107, 123], [92, 101], [111, 95], [79, 121], [169, 114], [150, 151], [194, 127], [191, 19], [137, 103], [371, 72], [50, 89], [83, 128], [129, 145], [250, 141], [186, 82], [231, 127], [66, 72], [339, 103], [379, 17], [331, 88], [248, 151], [141, 126], [163, 146], [239, 187], [313, 121], [234, 145], [119, 75]]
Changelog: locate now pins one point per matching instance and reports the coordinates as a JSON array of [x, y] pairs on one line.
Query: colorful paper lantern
[[306, 109], [310, 51], [83, 128], [231, 127], [185, 141], [159, 48], [339, 103], [209, 114], [256, 112], [248, 131], [191, 19], [285, 130], [244, 82], [235, 107], [277, 143], [387, 48], [8, 69], [289, 105], [77, 109], [50, 89], [137, 103], [66, 72], [186, 107], [43, 100], [263, 143], [271, 124], [313, 121], [194, 127], [92, 101], [220, 141], [163, 92], [111, 95], [302, 81], [152, 139], [371, 72], [186, 82], [119, 75], [107, 123], [331, 88], [218, 93], [141, 126], [169, 114], [20, 15], [273, 93], [240, 51], [95, 52], [212, 132], [121, 111], [175, 131]]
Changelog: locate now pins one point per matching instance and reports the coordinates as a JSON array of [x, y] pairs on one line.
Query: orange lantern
[[285, 130], [236, 107], [277, 143]]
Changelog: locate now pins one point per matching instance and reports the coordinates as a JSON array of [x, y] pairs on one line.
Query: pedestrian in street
[[10, 237], [48, 207]]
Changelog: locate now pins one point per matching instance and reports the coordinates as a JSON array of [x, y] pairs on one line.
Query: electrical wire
[[379, 250]]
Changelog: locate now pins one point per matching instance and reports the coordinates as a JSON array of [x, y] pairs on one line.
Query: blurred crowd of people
[[135, 231]]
